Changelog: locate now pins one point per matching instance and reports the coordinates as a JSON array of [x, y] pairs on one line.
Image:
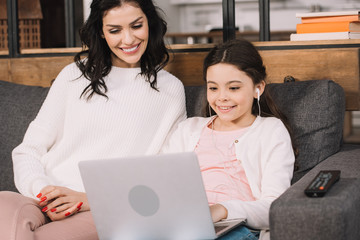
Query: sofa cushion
[[19, 105], [315, 110], [195, 101]]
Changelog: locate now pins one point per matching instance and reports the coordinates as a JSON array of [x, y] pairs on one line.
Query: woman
[[115, 102]]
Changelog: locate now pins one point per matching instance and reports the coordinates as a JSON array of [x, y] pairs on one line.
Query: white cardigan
[[266, 152], [135, 119]]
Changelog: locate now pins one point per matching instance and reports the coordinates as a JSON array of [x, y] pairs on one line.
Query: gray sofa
[[315, 110]]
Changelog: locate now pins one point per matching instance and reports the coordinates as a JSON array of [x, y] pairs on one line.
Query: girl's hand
[[61, 202], [218, 212]]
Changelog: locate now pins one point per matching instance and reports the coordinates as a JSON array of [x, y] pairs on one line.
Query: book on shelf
[[339, 16], [324, 36], [343, 18], [323, 27], [327, 14]]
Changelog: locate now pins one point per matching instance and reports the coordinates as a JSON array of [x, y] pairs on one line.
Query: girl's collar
[[210, 123]]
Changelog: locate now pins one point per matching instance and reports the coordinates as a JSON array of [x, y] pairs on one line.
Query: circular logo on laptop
[[144, 200]]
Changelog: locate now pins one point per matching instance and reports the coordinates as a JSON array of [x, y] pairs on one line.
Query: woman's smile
[[130, 50]]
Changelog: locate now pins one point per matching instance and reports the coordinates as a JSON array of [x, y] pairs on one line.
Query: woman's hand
[[218, 212], [61, 202]]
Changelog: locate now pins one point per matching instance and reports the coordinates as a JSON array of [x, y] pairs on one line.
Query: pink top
[[223, 175]]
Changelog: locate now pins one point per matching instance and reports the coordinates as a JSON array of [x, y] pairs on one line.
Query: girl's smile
[[225, 109]]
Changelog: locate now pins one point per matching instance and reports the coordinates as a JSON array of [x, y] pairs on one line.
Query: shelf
[[193, 2]]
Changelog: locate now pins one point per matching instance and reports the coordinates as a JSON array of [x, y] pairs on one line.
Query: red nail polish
[[53, 210], [79, 209], [39, 195], [43, 199], [67, 214], [44, 209], [80, 204]]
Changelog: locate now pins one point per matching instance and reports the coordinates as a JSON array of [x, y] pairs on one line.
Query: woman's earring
[[209, 110]]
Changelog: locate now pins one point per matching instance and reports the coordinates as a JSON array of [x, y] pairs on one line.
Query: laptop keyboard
[[219, 228]]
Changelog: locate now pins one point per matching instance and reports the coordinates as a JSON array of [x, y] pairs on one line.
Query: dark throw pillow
[[315, 110]]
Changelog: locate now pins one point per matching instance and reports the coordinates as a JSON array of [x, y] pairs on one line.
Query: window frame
[[13, 32], [229, 30], [13, 29]]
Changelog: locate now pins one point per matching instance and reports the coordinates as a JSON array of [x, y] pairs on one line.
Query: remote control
[[322, 183]]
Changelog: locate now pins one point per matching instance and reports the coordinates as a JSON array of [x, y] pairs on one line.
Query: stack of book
[[327, 26]]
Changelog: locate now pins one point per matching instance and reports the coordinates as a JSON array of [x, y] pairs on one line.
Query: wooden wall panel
[[339, 65], [187, 67], [5, 69], [37, 71]]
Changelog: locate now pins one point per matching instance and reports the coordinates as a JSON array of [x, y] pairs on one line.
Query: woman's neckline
[[124, 68]]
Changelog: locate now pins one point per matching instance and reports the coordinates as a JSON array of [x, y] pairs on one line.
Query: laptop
[[150, 197]]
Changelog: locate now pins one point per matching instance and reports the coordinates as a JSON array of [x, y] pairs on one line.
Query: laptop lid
[[148, 197]]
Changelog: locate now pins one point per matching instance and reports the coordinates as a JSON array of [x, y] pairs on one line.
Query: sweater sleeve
[[29, 173], [275, 170], [175, 140], [174, 133], [185, 137]]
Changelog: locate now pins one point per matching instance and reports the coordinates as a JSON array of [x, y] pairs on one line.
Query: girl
[[116, 102], [246, 159]]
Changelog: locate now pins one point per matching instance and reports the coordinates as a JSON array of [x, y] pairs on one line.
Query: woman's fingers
[[61, 202], [57, 206], [79, 206], [47, 194], [63, 211], [45, 191], [74, 209], [57, 209]]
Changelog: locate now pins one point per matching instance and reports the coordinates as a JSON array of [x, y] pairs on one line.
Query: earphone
[[258, 94], [258, 99]]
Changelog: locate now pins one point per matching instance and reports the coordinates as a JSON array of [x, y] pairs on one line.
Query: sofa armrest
[[335, 216]]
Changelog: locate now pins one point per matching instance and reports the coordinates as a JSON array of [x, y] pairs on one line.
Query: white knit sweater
[[134, 120]]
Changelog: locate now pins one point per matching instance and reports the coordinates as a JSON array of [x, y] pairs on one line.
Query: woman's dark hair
[[243, 55], [98, 63]]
